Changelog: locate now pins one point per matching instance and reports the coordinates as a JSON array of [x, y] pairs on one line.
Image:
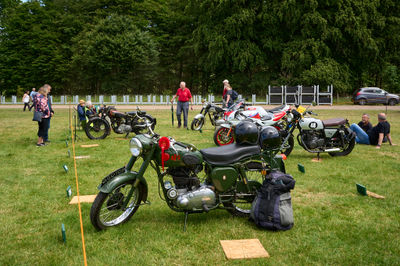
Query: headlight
[[136, 147]]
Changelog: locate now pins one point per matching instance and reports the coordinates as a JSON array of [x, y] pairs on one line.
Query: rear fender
[[110, 185]]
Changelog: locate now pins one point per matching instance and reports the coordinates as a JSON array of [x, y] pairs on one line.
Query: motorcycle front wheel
[[223, 136], [197, 124], [107, 208], [145, 119], [241, 205], [97, 128], [289, 146]]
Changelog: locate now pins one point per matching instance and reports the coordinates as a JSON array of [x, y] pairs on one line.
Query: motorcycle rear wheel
[[346, 151], [97, 129], [145, 119], [241, 207], [197, 124], [221, 136], [106, 209]]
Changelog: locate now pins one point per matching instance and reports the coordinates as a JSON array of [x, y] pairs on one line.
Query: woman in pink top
[[41, 105]]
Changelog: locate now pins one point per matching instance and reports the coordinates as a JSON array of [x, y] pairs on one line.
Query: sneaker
[[47, 141], [40, 144]]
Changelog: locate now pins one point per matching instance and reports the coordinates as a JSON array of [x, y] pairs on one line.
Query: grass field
[[333, 224]]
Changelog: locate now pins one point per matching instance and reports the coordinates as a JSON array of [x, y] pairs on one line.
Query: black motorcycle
[[99, 126]]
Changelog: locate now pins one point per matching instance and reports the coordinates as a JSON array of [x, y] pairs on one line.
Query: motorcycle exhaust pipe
[[331, 150]]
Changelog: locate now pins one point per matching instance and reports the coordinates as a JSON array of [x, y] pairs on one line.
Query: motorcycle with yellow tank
[[190, 180]]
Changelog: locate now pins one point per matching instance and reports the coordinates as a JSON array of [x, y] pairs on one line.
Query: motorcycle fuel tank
[[310, 123], [179, 155]]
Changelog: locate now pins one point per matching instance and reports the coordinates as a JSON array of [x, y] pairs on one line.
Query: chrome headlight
[[136, 147]]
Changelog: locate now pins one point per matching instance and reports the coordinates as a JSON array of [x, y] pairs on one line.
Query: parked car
[[374, 95]]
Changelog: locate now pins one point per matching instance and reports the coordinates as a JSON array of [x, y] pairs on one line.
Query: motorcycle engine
[[124, 128], [313, 139], [188, 194]]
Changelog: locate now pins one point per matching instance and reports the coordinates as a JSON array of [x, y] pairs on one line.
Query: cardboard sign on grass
[[243, 249], [89, 145], [83, 199]]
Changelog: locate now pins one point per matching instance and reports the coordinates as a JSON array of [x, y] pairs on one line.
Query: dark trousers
[[27, 105], [46, 134], [43, 127], [182, 107]]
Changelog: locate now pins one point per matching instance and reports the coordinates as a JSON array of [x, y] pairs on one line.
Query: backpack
[[235, 95], [272, 207]]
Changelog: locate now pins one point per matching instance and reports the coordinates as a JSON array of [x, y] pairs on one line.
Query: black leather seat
[[276, 109], [228, 154], [118, 114], [132, 113]]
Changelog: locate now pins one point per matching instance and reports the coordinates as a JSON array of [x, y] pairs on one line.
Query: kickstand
[[184, 226]]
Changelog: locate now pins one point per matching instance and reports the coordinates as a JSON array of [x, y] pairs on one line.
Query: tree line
[[148, 46]]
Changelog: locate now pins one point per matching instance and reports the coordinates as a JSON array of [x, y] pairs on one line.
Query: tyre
[[362, 102], [197, 124], [241, 205], [289, 146], [223, 136], [346, 150], [97, 128], [107, 209], [392, 102]]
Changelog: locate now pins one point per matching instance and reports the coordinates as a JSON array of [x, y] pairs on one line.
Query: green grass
[[333, 224]]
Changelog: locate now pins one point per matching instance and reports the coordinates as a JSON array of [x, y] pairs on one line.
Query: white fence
[[275, 95]]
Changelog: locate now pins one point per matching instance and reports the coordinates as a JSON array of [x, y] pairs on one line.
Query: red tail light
[[358, 93]]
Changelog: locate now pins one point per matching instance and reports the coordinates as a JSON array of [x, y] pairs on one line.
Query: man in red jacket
[[184, 96]]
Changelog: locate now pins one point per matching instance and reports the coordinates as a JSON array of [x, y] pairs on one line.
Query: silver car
[[374, 95]]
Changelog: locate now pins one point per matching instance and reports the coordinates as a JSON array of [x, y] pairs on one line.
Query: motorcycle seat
[[131, 113], [276, 109], [267, 117], [229, 154], [334, 122]]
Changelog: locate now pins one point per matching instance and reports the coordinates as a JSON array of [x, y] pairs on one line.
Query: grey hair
[[88, 103], [184, 83]]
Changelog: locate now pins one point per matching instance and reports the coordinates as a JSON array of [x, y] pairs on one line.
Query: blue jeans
[[182, 106], [361, 136]]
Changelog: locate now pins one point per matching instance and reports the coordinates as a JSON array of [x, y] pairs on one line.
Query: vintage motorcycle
[[99, 126], [215, 113], [190, 180], [332, 136]]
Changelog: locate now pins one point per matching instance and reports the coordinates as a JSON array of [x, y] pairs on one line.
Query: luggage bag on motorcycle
[[272, 207]]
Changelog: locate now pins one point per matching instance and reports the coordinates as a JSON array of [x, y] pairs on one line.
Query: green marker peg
[[69, 153], [64, 236], [66, 143], [301, 168], [65, 168], [201, 131], [69, 191]]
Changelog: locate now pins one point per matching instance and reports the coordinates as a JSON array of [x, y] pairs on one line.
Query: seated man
[[364, 123], [90, 110], [376, 134]]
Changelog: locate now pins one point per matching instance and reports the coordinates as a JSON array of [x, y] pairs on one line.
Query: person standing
[[41, 105], [226, 85], [32, 96], [46, 135], [82, 113], [25, 100], [227, 94], [184, 96]]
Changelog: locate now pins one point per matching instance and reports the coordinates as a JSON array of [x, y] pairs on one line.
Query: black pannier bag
[[272, 207]]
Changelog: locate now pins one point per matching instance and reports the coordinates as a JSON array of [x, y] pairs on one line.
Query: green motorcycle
[[190, 180]]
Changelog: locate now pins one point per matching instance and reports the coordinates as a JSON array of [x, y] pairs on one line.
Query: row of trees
[[148, 46]]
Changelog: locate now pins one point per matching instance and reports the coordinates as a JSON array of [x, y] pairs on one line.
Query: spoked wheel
[[349, 147], [97, 129], [241, 204], [197, 124], [392, 102], [288, 148], [223, 136], [107, 208]]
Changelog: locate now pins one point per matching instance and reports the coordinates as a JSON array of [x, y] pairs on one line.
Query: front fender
[[110, 185], [225, 125], [199, 116]]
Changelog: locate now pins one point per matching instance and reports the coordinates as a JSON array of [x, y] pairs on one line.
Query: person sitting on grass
[[81, 113], [364, 123], [376, 134]]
